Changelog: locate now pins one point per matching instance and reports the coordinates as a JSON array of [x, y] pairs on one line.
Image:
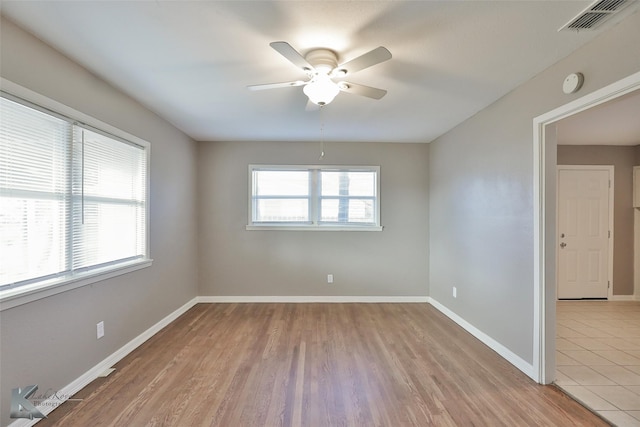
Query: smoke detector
[[572, 83]]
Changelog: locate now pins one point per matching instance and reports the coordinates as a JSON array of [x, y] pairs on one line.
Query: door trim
[[544, 238], [636, 250], [611, 200]]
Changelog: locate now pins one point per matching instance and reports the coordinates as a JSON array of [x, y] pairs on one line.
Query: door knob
[[562, 245]]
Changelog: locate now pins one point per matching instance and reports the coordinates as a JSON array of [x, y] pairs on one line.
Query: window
[[73, 199], [314, 197]]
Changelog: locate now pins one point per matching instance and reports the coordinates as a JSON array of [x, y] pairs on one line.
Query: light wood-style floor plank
[[317, 365]]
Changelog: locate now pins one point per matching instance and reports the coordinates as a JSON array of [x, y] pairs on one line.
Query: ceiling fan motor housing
[[323, 60]]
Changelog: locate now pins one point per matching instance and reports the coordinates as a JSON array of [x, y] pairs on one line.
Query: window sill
[[311, 228], [29, 293]]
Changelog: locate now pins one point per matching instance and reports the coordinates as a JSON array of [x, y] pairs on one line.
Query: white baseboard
[[507, 354], [69, 390], [624, 298], [311, 299]]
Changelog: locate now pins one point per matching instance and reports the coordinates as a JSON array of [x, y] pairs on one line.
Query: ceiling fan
[[321, 67]]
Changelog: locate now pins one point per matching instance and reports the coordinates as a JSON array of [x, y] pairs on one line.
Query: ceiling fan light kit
[[321, 67], [321, 90]]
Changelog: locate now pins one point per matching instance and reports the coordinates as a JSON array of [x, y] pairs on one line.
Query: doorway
[[545, 235], [585, 232]]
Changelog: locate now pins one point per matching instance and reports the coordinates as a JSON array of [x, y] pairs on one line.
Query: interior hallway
[[598, 357]]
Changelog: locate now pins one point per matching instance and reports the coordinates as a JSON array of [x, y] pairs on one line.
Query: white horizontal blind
[[73, 199], [109, 194], [34, 180]]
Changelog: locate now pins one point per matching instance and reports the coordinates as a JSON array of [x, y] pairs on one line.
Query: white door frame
[[636, 250], [610, 224], [544, 211]]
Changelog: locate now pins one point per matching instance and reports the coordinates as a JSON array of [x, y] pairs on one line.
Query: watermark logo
[[21, 407], [24, 401]]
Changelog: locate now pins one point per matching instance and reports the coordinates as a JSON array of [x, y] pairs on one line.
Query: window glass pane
[[32, 238], [361, 211], [345, 183], [329, 210], [345, 210], [110, 232], [281, 183], [34, 163], [281, 210]]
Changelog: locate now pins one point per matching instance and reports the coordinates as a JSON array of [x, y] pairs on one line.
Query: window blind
[[72, 199], [34, 181], [109, 184]]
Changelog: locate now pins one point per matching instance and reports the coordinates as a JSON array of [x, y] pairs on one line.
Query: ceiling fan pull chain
[[321, 134]]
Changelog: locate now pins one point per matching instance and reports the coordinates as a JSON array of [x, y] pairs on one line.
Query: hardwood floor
[[317, 365]]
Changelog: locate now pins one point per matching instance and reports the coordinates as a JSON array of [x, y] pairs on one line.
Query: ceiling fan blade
[[373, 57], [285, 49], [356, 89], [276, 85]]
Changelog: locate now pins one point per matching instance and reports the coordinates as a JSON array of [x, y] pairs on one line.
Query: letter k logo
[[21, 407]]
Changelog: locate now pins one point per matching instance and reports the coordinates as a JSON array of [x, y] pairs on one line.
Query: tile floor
[[598, 357]]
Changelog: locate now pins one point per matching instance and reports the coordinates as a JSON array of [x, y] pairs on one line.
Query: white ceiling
[[190, 61]]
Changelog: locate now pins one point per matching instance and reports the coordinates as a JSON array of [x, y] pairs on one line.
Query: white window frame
[[15, 296], [314, 200]]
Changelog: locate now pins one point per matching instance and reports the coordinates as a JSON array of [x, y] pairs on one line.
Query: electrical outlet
[[455, 292], [329, 278], [100, 330]]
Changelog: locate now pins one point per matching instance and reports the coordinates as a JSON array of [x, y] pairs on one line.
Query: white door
[[583, 231]]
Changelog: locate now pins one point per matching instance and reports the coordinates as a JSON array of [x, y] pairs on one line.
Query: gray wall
[[481, 193], [623, 159], [52, 341], [234, 261]]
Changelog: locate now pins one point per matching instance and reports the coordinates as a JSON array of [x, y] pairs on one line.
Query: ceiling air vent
[[595, 14]]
